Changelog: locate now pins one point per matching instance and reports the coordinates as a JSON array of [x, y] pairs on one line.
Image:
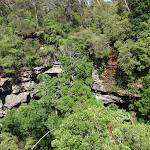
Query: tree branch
[[41, 139]]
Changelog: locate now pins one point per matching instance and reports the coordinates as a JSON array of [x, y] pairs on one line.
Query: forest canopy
[[80, 35]]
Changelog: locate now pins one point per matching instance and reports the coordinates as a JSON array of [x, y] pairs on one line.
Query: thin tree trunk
[[127, 5], [35, 9], [41, 139], [98, 2], [56, 112], [36, 16]]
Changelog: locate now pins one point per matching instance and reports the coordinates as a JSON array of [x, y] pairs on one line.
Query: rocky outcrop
[[106, 99], [14, 91], [5, 84], [100, 88], [100, 85], [54, 69], [17, 90], [13, 100]]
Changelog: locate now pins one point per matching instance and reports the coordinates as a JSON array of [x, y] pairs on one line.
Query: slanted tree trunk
[[41, 139], [127, 5]]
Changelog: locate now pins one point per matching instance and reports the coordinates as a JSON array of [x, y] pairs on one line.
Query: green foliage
[[134, 136], [63, 96], [120, 114], [84, 69], [23, 25], [95, 128], [133, 59], [54, 27], [143, 105], [140, 14], [38, 32], [94, 46], [29, 123], [111, 19], [45, 56], [15, 53], [84, 130], [8, 142]]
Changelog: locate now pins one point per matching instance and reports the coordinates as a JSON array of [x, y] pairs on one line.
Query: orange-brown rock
[[111, 64]]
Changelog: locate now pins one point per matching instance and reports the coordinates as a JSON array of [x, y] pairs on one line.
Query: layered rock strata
[[17, 90]]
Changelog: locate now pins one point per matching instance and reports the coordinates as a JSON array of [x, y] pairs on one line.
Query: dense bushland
[[79, 35]]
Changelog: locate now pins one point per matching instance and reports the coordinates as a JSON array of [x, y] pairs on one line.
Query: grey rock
[[27, 86], [108, 99], [5, 84], [25, 79], [38, 70], [2, 113], [100, 88], [98, 84], [15, 89], [3, 80], [12, 99], [1, 104], [22, 87], [54, 69]]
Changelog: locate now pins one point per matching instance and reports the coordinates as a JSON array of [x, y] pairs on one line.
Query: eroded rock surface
[[14, 91], [13, 100], [54, 69], [99, 85]]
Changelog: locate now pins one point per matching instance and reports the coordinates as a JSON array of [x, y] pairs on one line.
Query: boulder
[[19, 89], [100, 85], [38, 70], [12, 99], [108, 98], [100, 88], [27, 86], [16, 89], [54, 69], [25, 79]]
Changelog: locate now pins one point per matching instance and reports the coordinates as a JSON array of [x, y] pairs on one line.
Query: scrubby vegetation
[[80, 35]]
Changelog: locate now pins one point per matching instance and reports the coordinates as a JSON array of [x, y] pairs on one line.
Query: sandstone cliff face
[[14, 91], [17, 90], [105, 87]]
